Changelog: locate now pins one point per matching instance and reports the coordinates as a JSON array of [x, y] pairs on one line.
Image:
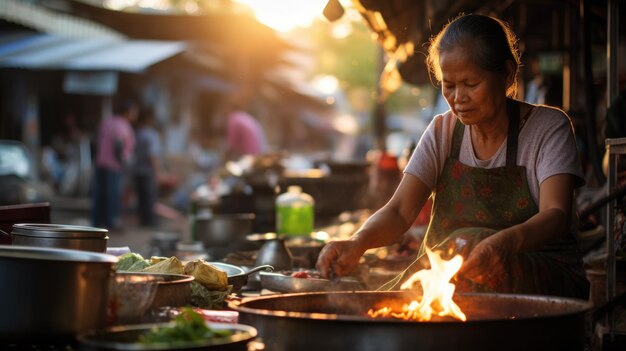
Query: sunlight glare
[[285, 15], [346, 124], [327, 84]]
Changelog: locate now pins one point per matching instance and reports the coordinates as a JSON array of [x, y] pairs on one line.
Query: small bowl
[[130, 297], [173, 290]]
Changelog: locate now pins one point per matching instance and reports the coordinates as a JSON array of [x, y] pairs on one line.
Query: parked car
[[19, 178]]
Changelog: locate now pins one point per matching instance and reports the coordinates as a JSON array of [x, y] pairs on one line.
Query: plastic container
[[294, 212]]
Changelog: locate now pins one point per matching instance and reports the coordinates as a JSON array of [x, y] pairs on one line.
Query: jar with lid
[[294, 212]]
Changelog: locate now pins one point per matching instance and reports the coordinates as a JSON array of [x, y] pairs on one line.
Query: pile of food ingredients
[[209, 288]]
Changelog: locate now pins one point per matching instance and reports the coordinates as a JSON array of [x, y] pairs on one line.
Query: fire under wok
[[339, 321]]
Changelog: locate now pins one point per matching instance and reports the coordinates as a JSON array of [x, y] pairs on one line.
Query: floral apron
[[472, 203]]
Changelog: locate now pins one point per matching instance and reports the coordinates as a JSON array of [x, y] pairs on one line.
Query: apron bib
[[471, 203]]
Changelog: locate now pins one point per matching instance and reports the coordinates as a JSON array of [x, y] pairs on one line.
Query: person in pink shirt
[[244, 133], [114, 148]]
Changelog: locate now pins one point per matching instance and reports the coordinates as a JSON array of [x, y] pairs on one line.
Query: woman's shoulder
[[544, 116], [443, 122], [546, 111]]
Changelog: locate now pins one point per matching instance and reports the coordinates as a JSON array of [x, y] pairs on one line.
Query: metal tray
[[285, 283]]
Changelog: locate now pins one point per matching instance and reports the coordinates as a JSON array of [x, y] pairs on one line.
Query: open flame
[[437, 292]]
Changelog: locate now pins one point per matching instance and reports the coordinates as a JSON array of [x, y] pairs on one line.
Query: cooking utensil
[[275, 253], [124, 338], [237, 276], [173, 290], [495, 322], [304, 250], [61, 236], [285, 283], [52, 293]]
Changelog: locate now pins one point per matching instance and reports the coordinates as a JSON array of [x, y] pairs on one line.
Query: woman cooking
[[501, 172]]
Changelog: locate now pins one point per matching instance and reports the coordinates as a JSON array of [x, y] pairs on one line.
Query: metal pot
[[223, 230], [339, 321], [48, 293], [60, 236]]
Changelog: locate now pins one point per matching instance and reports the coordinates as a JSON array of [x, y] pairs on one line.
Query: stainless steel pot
[[339, 321], [60, 236], [223, 230], [48, 293]]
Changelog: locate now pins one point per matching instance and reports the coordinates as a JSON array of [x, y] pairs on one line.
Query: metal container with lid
[[62, 236]]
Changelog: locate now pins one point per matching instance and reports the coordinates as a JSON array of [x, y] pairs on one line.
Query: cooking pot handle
[[3, 233], [264, 267]]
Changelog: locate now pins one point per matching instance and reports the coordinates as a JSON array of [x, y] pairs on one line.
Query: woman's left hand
[[489, 258]]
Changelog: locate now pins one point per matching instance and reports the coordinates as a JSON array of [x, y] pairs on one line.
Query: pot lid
[[53, 254], [59, 231]]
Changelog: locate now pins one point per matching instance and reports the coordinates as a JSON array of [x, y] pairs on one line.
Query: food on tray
[[303, 274], [209, 288], [171, 265], [207, 275], [189, 326], [209, 315], [205, 298], [157, 259], [131, 262]]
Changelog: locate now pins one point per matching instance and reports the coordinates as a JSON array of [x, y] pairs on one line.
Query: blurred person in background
[[244, 133], [115, 145], [146, 167]]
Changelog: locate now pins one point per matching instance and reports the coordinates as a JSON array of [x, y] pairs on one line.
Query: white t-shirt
[[546, 147]]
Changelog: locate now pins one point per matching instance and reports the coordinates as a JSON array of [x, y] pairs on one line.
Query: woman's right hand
[[340, 257]]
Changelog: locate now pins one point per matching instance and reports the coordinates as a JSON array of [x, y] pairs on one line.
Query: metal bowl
[[124, 338], [173, 290]]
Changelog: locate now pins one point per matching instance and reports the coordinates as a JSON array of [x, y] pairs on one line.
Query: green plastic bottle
[[294, 212]]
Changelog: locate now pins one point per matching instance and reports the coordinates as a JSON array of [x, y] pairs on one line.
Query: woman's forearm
[[383, 228], [541, 229], [390, 222]]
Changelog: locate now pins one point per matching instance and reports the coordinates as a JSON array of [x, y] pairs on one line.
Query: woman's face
[[475, 95]]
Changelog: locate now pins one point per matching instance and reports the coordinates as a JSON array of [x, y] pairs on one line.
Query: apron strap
[[512, 109], [457, 139]]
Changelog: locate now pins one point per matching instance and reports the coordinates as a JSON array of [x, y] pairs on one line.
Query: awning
[[45, 51]]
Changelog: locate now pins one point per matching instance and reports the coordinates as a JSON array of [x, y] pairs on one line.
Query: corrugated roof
[[43, 20], [45, 51]]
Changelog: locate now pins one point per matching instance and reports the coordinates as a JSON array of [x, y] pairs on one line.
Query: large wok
[[339, 321]]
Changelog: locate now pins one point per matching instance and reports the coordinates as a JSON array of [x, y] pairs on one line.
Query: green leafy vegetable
[[131, 262], [189, 326], [208, 299]]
